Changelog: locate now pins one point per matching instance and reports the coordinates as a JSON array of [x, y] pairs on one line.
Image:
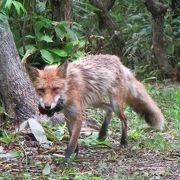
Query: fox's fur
[[100, 81]]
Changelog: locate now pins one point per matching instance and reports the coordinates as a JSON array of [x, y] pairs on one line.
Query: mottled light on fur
[[101, 81], [100, 76]]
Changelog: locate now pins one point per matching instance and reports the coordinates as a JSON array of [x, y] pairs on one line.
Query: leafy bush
[[53, 42], [34, 31]]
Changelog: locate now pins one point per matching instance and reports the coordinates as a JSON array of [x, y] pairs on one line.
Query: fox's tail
[[142, 103]]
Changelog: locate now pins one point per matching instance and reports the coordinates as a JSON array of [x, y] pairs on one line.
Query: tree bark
[[107, 22], [108, 4], [158, 11], [61, 10], [16, 89]]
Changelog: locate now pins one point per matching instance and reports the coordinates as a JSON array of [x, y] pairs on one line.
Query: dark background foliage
[[53, 41]]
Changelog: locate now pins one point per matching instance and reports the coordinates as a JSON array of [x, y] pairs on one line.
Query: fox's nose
[[48, 107]]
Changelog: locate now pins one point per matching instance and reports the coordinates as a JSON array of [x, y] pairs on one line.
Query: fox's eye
[[56, 89], [40, 90]]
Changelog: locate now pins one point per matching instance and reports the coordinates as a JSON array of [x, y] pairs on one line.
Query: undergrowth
[[102, 160]]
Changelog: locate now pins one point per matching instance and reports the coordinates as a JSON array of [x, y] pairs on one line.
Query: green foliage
[[34, 31], [55, 132], [10, 5], [2, 109], [101, 160], [136, 24], [6, 137], [53, 42], [92, 140]]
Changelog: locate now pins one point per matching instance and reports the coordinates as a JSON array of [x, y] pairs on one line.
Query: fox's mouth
[[50, 112]]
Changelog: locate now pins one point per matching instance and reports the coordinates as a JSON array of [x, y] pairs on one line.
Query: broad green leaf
[[50, 135], [59, 32], [106, 143], [59, 52], [71, 34], [46, 170], [42, 22], [29, 48], [69, 47], [8, 4], [89, 140], [82, 44], [57, 59], [78, 54], [6, 138], [17, 7], [47, 22], [39, 25], [2, 5], [46, 38], [47, 56]]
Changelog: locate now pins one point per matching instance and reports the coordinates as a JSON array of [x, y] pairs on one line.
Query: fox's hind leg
[[104, 128], [117, 102], [124, 127]]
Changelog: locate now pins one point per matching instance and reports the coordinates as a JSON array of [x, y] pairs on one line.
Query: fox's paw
[[102, 135], [102, 138], [123, 143]]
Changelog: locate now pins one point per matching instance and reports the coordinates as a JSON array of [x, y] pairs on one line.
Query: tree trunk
[[108, 4], [158, 11], [61, 10], [105, 20], [175, 5], [16, 89]]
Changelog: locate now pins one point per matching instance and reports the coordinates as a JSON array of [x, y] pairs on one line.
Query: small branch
[[23, 36], [158, 10], [106, 21]]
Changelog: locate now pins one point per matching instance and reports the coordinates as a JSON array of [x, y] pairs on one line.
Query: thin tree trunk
[[175, 5], [107, 22], [62, 10], [158, 11], [108, 4], [16, 89]]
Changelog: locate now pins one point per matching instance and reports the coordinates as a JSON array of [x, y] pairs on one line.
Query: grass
[[150, 154]]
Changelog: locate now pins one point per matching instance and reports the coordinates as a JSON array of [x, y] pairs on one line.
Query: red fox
[[101, 81]]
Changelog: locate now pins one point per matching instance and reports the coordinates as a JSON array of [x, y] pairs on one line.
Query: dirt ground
[[102, 162]]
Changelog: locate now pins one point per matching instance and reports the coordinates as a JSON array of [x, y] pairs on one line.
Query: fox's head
[[50, 85]]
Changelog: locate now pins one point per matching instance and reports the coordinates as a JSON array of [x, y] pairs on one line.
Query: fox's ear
[[32, 71], [62, 69]]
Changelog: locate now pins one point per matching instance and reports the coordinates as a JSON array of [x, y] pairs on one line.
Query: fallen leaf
[[46, 170], [38, 131]]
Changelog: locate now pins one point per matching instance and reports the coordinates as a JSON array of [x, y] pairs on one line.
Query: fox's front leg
[[74, 121]]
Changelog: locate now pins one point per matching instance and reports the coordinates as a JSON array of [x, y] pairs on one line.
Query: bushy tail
[[142, 103]]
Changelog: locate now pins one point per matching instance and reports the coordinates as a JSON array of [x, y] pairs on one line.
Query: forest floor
[[149, 155]]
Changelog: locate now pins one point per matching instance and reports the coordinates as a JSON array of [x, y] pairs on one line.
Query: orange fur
[[101, 81]]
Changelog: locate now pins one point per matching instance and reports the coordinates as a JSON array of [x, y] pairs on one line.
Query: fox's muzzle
[[50, 112]]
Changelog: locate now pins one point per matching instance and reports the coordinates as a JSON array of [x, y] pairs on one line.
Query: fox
[[100, 81]]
